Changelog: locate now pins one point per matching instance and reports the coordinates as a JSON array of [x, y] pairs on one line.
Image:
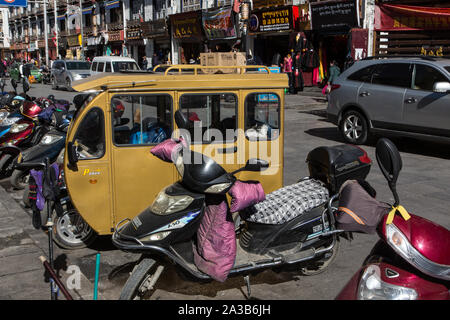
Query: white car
[[112, 64]]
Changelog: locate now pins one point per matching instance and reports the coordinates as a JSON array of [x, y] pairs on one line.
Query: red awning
[[403, 17]]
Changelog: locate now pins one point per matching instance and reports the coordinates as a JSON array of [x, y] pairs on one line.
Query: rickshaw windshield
[[81, 101]]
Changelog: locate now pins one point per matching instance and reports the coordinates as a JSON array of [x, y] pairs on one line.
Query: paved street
[[422, 187]]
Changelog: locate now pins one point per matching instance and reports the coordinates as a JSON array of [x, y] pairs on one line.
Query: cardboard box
[[222, 59]]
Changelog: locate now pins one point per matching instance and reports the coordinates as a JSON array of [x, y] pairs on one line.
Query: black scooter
[[308, 238], [49, 146]]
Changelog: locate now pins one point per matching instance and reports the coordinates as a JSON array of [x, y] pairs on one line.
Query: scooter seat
[[288, 202]]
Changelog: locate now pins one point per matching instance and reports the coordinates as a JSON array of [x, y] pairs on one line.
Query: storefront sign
[[13, 3], [115, 35], [401, 17], [33, 46], [187, 25], [432, 51], [268, 3], [133, 34], [334, 15], [218, 24], [156, 28], [74, 41], [269, 20]]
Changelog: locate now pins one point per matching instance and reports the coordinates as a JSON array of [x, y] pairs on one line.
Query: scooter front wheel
[[140, 285]]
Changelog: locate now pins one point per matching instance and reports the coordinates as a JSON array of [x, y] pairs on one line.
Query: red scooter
[[412, 261], [22, 134]]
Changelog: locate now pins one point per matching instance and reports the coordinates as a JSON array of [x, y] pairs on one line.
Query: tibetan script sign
[[334, 15], [186, 25], [279, 19]]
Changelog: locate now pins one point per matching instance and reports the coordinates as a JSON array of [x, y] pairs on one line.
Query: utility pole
[[81, 29], [45, 33], [56, 29]]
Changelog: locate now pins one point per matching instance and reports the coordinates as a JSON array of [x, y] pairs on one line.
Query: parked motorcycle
[[412, 259], [306, 235], [24, 133], [49, 147]]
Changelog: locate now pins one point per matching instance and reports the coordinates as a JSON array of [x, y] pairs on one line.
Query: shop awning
[[112, 4], [403, 17]]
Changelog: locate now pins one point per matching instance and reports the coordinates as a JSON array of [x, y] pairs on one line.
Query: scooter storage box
[[336, 164]]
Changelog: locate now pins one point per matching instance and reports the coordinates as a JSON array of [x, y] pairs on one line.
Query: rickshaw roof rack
[[132, 84], [197, 69], [429, 58]]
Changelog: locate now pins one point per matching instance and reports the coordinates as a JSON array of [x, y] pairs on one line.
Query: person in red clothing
[[287, 68]]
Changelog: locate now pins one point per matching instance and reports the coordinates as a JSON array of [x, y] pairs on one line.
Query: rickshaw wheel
[[316, 267], [139, 284], [71, 231]]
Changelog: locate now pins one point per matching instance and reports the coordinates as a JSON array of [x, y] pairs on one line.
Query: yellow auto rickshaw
[[109, 170]]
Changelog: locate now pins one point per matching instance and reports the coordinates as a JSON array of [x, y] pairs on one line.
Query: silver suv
[[64, 72], [405, 96]]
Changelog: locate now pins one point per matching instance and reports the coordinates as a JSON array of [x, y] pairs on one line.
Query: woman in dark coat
[[297, 73]]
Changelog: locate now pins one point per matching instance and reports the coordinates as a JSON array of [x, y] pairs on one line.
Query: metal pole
[[45, 33], [56, 28], [81, 29]]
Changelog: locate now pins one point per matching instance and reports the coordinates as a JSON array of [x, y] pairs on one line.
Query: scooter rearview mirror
[[390, 163], [256, 165]]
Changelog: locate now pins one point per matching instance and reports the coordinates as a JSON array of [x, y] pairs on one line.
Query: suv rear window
[[363, 75], [426, 77], [393, 74]]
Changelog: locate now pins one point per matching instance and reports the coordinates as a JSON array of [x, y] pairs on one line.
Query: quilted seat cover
[[287, 203]]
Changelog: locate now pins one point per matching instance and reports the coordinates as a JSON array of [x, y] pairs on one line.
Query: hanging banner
[[334, 15], [13, 3], [218, 24], [401, 17]]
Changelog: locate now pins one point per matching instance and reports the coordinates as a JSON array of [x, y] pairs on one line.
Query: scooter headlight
[[10, 121], [50, 138], [218, 188], [371, 287], [15, 128], [3, 115], [397, 240], [165, 204]]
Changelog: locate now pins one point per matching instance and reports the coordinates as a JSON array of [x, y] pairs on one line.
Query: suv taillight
[[334, 87]]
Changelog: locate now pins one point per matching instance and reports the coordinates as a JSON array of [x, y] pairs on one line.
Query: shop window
[[393, 74], [90, 137], [262, 116], [213, 113], [363, 75], [426, 77], [141, 119]]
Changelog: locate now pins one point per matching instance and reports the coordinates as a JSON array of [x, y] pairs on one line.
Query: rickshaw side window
[[262, 116], [90, 136], [141, 119], [213, 114]]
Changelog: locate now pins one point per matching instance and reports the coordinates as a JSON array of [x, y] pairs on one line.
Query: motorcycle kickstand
[[247, 283]]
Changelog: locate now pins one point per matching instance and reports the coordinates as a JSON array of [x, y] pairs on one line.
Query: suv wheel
[[68, 85], [354, 127], [54, 86]]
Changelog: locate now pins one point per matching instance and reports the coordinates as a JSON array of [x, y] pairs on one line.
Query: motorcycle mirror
[[72, 154], [181, 120], [390, 163], [256, 165]]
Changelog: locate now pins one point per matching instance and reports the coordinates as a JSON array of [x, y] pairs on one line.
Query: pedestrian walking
[[144, 63], [334, 71], [287, 68]]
